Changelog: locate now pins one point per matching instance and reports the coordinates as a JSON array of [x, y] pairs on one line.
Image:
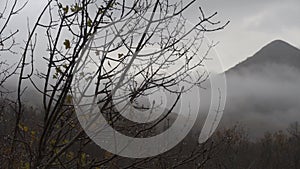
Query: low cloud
[[267, 100]]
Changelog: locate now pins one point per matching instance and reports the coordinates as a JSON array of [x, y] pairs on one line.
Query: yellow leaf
[[67, 44], [33, 133], [70, 155], [56, 150], [65, 66], [27, 165], [58, 70], [66, 9], [20, 126], [75, 8], [52, 142], [89, 23], [69, 99], [83, 158], [120, 55], [65, 141], [25, 128], [107, 155]]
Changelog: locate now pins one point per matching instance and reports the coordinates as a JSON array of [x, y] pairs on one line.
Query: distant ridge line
[[277, 51]]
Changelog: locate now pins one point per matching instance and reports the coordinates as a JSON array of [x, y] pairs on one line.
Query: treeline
[[227, 149], [278, 150]]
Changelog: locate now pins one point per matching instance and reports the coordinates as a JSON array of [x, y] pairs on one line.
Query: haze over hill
[[264, 90]]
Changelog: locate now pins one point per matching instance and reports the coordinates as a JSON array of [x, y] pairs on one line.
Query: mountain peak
[[277, 51], [279, 42], [278, 46]]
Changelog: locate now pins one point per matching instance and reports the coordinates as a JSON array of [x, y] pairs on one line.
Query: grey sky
[[253, 24]]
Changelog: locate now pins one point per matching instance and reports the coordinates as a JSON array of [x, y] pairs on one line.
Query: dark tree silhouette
[[137, 46]]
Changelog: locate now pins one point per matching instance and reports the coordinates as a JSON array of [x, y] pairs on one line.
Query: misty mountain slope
[[264, 90], [276, 52]]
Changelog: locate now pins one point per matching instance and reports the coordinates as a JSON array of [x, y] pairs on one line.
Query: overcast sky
[[253, 24]]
